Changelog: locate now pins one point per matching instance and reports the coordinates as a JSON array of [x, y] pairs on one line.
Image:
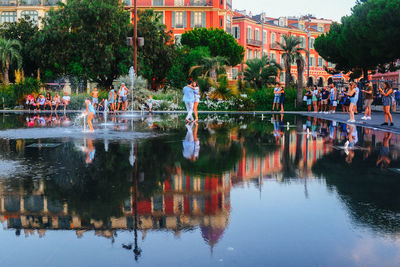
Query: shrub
[[77, 102]]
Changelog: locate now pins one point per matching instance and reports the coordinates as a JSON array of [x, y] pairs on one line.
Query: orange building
[[183, 15], [260, 37]]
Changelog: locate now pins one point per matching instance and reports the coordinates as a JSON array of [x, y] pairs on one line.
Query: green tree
[[85, 39], [9, 53], [24, 30], [260, 72], [210, 66], [158, 54], [218, 41], [291, 53], [364, 40]]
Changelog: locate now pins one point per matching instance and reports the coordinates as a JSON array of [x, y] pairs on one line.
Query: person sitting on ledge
[[65, 100]]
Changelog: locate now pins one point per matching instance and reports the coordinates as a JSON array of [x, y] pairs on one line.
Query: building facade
[[260, 36], [12, 10], [183, 15]]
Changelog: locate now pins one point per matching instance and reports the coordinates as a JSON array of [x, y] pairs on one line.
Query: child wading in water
[[90, 112]]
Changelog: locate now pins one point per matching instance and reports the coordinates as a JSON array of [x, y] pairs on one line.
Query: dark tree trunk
[[300, 71]]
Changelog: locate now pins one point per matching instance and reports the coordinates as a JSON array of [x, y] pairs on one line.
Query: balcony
[[30, 2], [8, 2], [275, 46], [254, 42], [51, 2], [171, 3]]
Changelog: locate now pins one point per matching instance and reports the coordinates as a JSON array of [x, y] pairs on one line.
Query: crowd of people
[[42, 102], [327, 99]]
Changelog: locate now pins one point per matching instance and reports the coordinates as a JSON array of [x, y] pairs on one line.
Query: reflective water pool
[[231, 191]]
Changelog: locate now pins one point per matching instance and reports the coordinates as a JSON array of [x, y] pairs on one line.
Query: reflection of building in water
[[272, 163], [186, 202]]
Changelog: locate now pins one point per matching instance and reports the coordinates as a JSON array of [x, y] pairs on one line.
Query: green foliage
[[219, 42], [222, 91], [158, 54], [261, 72], [9, 53], [15, 94], [24, 31], [364, 40], [85, 39], [205, 84], [176, 76]]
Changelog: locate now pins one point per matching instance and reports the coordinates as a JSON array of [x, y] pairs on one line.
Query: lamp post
[[262, 34], [135, 36], [308, 49]]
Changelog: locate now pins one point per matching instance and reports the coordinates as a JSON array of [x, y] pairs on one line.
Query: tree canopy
[[218, 41], [86, 39], [366, 39]]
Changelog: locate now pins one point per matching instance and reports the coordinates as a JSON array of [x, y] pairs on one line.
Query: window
[[273, 56], [8, 16], [302, 27], [179, 2], [312, 40], [312, 61], [302, 42], [158, 2], [31, 14], [229, 3], [221, 23], [321, 29], [257, 35], [159, 15], [282, 22], [236, 32], [179, 19], [249, 33], [265, 37], [282, 61], [234, 73], [257, 54], [273, 38], [248, 54], [198, 19], [228, 24]]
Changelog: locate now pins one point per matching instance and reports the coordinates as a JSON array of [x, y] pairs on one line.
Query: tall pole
[[308, 50], [262, 35], [135, 37]]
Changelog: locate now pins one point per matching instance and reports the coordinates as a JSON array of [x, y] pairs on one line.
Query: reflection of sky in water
[[325, 218]]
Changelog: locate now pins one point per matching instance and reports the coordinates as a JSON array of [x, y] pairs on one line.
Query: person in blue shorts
[[90, 112], [277, 98]]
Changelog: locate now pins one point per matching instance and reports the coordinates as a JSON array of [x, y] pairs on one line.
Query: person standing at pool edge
[[386, 93], [369, 98], [196, 89], [188, 98], [277, 97], [95, 97], [90, 112]]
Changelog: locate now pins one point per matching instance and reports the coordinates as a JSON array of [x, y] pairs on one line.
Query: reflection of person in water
[[90, 151], [278, 133], [191, 144], [384, 158]]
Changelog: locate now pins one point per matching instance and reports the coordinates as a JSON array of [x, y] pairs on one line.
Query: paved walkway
[[377, 119], [377, 116]]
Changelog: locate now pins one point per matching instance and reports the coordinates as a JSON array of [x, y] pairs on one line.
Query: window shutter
[[203, 19], [184, 19], [173, 19], [192, 19]]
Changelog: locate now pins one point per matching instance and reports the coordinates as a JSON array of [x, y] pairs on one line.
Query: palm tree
[[9, 53], [211, 66], [293, 53], [261, 72]]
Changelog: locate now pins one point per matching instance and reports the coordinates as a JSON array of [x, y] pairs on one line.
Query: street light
[[308, 50]]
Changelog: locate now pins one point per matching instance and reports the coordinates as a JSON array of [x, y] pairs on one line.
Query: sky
[[328, 9]]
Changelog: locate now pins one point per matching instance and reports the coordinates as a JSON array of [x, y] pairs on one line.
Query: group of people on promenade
[[279, 98], [327, 99], [43, 102], [191, 97]]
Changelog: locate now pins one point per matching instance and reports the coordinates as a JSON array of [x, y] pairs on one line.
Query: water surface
[[230, 191]]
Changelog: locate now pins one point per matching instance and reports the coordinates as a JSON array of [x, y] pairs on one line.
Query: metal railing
[[8, 2], [163, 3], [254, 42]]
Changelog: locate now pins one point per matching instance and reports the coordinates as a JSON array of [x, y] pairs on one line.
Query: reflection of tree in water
[[93, 191], [370, 194]]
